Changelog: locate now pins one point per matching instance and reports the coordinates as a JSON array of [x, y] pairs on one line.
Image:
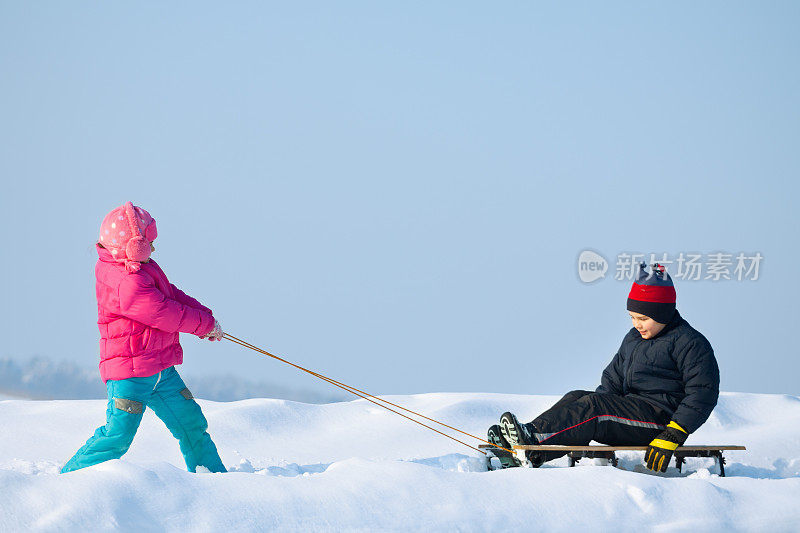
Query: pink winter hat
[[127, 232]]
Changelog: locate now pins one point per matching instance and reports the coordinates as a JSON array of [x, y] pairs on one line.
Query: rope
[[369, 397]]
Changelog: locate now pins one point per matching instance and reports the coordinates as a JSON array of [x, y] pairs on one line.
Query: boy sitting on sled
[[661, 385]]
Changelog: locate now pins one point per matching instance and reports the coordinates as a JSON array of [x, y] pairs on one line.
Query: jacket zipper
[[629, 373]]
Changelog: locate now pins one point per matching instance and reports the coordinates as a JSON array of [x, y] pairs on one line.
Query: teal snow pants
[[168, 397]]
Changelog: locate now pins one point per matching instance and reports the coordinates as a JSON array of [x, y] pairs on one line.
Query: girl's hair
[[91, 247]]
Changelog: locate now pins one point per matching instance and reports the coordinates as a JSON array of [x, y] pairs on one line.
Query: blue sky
[[395, 194]]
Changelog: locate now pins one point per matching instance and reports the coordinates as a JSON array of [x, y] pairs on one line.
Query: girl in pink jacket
[[140, 315]]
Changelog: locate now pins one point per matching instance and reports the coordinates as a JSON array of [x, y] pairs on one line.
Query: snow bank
[[352, 466]]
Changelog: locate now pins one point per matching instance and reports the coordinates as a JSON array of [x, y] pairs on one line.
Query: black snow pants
[[584, 416]]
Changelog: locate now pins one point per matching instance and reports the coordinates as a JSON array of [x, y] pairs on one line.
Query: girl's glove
[[660, 451], [215, 334]]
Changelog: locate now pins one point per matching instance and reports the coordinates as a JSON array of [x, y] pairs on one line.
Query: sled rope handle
[[369, 397]]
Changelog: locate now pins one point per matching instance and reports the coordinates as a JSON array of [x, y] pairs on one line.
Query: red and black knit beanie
[[653, 294]]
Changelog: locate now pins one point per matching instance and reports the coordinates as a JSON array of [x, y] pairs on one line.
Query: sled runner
[[576, 453]]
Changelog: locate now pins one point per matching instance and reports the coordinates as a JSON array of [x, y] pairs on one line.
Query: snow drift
[[355, 466]]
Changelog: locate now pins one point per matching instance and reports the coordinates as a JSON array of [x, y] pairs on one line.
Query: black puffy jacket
[[676, 371]]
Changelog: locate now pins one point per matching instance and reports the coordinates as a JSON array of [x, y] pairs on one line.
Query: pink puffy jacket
[[140, 315]]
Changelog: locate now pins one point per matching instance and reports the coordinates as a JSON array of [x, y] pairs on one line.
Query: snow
[[354, 466]]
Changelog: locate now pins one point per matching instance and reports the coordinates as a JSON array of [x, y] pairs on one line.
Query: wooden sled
[[576, 453]]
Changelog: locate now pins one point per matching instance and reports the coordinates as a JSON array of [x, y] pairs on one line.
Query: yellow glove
[[659, 453]]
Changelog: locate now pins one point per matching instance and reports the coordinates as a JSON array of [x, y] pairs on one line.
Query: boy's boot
[[495, 436], [517, 434]]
